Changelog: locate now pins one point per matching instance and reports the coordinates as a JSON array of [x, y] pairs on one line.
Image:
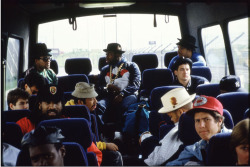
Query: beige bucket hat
[[84, 90], [175, 99]]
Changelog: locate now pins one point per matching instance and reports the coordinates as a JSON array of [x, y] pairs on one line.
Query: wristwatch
[[122, 94]]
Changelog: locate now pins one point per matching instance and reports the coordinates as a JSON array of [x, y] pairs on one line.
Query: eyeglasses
[[45, 59]]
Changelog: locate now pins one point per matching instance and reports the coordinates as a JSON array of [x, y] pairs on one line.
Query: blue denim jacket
[[193, 151]]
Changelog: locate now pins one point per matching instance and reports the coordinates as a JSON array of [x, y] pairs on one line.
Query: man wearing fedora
[[182, 69], [208, 120], [41, 65], [118, 85], [186, 48], [85, 94], [175, 102]]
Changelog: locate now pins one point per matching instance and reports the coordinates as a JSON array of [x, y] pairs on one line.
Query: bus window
[[12, 60], [238, 33], [135, 32], [215, 53]]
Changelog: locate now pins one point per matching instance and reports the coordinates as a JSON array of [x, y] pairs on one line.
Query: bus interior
[[83, 28]]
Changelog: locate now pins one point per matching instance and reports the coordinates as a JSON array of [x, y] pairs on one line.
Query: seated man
[[49, 106], [118, 85], [33, 82], [85, 94], [186, 48], [182, 69], [45, 146], [41, 65], [175, 102], [208, 118], [230, 83], [18, 99]]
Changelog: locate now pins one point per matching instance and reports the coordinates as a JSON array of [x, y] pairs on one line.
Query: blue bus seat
[[247, 114], [78, 66], [168, 57], [20, 83], [15, 115], [236, 103], [145, 61], [54, 66], [12, 134], [152, 78], [202, 71], [155, 104], [68, 82], [219, 153], [212, 89], [101, 63], [228, 121]]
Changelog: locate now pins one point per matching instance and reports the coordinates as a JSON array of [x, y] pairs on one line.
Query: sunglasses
[[45, 59]]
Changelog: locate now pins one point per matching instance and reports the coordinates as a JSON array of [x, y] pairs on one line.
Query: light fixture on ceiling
[[105, 5]]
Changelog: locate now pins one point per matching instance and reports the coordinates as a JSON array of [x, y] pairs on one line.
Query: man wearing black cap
[[49, 105], [118, 84], [45, 146], [230, 83], [186, 47], [182, 69], [42, 63]]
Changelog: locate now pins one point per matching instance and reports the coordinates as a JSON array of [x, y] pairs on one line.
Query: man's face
[[242, 152], [112, 58], [184, 52], [31, 90], [206, 126], [51, 110], [20, 104], [91, 103], [43, 63], [46, 155], [174, 115], [183, 72]]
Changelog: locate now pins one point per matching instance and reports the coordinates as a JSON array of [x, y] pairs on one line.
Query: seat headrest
[[145, 61], [152, 78], [73, 129], [78, 66], [168, 57], [77, 111], [202, 71], [101, 63], [212, 89], [186, 131], [54, 66], [228, 121]]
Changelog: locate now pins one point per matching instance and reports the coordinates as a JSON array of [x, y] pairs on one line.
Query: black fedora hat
[[40, 49], [114, 47], [187, 41]]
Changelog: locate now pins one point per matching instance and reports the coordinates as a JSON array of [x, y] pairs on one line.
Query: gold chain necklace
[[110, 74]]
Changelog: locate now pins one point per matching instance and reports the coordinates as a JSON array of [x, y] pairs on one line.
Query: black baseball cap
[[50, 93]]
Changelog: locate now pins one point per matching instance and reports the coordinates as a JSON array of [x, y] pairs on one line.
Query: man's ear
[[11, 105], [175, 72], [40, 105], [80, 102], [25, 86], [63, 151]]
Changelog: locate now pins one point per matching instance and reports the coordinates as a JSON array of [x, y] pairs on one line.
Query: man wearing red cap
[[208, 117]]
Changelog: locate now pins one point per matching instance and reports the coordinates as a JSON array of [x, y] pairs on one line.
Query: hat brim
[[185, 44], [84, 95], [169, 109], [194, 110], [117, 51]]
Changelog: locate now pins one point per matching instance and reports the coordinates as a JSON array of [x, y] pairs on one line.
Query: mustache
[[53, 110]]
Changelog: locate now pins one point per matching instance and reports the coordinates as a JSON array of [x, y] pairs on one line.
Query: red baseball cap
[[207, 103]]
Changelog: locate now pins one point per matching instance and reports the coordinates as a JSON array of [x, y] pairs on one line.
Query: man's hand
[[111, 147]]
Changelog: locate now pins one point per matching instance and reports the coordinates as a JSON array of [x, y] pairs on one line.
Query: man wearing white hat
[[175, 102], [85, 94]]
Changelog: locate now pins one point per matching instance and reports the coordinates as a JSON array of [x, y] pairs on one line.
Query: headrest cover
[[43, 135]]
